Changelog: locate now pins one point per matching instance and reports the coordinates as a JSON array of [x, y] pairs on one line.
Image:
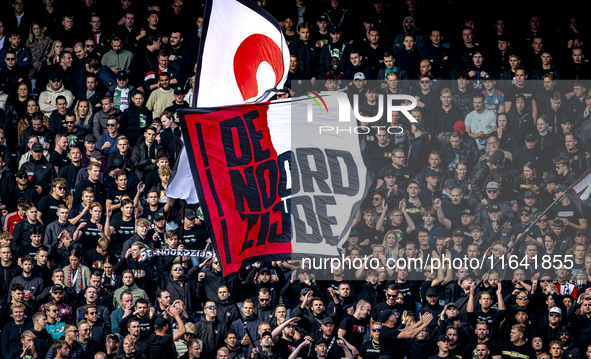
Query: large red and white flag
[[243, 57]]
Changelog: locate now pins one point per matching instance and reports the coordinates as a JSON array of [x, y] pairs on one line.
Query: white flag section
[[243, 58], [182, 185], [329, 178]]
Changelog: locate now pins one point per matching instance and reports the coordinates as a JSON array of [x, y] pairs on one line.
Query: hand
[[499, 288], [201, 277], [495, 226], [142, 33], [127, 311], [351, 310], [128, 253], [245, 341], [472, 289], [567, 223], [484, 201], [331, 292], [341, 343], [109, 211], [38, 189], [255, 351], [472, 73], [354, 352], [140, 187], [402, 205], [364, 243], [172, 311], [152, 312], [437, 204], [82, 225], [416, 203], [106, 145]]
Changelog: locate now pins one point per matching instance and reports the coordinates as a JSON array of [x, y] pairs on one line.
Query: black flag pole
[[519, 238]]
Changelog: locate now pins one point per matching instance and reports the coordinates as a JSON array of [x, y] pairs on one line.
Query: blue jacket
[[115, 319], [22, 54]]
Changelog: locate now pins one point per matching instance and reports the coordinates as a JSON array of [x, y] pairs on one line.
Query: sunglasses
[[69, 122], [554, 315], [10, 59], [53, 310], [211, 307], [92, 313], [376, 199], [111, 124], [375, 330], [85, 330], [391, 295], [495, 191], [177, 269], [58, 293], [61, 188], [524, 214], [88, 45], [265, 299], [523, 298], [23, 177], [425, 82]]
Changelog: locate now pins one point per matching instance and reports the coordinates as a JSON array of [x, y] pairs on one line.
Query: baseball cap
[[450, 183], [179, 90], [487, 77], [264, 269], [555, 310], [497, 159], [386, 314], [190, 214], [443, 338], [21, 172], [266, 333], [57, 287], [322, 17], [493, 207], [190, 328], [89, 138], [432, 291], [506, 233], [430, 173], [122, 75], [466, 211], [159, 215], [96, 155], [37, 147], [492, 185], [353, 233], [420, 124], [305, 291], [321, 340], [335, 29], [390, 171], [525, 209], [359, 76], [460, 126], [520, 309], [560, 188], [458, 232], [327, 320], [581, 232], [466, 277], [55, 76], [530, 193], [565, 119], [550, 178], [530, 137], [160, 322], [452, 304]]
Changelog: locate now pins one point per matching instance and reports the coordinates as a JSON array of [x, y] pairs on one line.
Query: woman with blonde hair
[[40, 46], [54, 54], [391, 245], [83, 112]]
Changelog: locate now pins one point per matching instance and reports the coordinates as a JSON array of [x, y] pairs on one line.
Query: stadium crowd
[[89, 135]]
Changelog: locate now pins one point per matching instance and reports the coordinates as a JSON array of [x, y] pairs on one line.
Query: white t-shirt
[[481, 121]]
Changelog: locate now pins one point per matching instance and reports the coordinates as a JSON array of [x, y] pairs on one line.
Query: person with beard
[[487, 172], [432, 306], [139, 336], [372, 51], [347, 298], [328, 334], [264, 281], [483, 339], [482, 210], [311, 311], [437, 55], [487, 315], [237, 351]]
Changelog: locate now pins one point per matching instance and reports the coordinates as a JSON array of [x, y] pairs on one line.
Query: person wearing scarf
[[77, 275]]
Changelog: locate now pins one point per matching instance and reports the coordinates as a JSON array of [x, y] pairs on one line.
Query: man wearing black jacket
[[179, 100], [36, 129], [41, 169], [311, 312], [11, 333], [21, 231], [145, 59], [305, 50], [136, 117], [436, 54], [211, 330], [43, 339]]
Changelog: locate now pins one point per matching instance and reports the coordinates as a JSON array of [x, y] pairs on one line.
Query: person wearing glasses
[[564, 174], [12, 74], [54, 89], [211, 330], [90, 346], [107, 142], [69, 347], [57, 292]]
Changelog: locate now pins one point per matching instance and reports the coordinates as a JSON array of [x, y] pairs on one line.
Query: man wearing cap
[[40, 169], [55, 88], [527, 153], [492, 196], [432, 306], [435, 164], [161, 344], [432, 190], [312, 311], [392, 339], [194, 234], [179, 101], [580, 238], [567, 212], [321, 36], [489, 171], [335, 47], [443, 342], [122, 93], [534, 235], [551, 331]]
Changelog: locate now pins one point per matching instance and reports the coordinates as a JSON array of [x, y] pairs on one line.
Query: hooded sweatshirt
[[47, 99]]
